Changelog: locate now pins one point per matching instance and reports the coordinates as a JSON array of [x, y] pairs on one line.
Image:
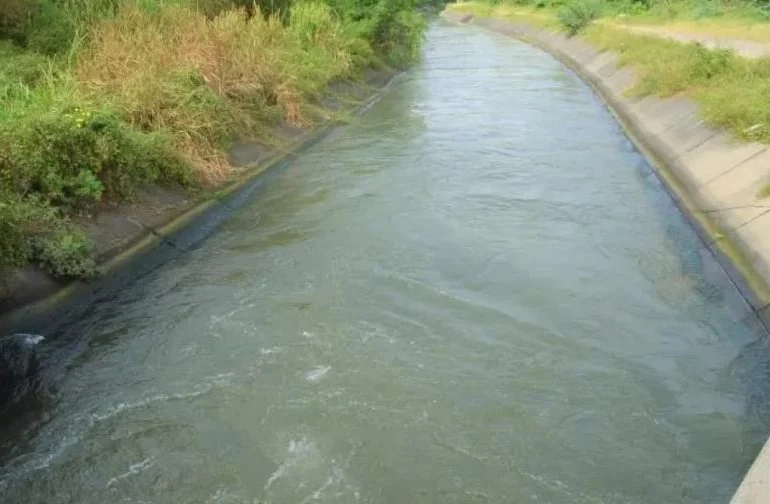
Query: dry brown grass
[[200, 79]]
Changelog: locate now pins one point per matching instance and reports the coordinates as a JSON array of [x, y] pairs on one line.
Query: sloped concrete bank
[[132, 239], [713, 178]]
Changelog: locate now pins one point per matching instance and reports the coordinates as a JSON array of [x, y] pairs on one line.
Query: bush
[[576, 15], [66, 253], [314, 23], [35, 233], [72, 159]]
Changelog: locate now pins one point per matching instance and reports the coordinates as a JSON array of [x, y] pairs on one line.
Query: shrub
[[392, 27], [21, 220], [34, 232], [66, 253], [72, 158], [314, 23], [576, 15]]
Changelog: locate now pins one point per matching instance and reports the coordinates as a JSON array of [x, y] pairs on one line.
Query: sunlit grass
[[731, 91], [744, 22], [736, 25]]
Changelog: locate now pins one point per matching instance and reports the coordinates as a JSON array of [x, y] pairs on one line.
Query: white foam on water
[[223, 495], [316, 374], [132, 470], [213, 382], [298, 451], [269, 351], [318, 491], [78, 426], [308, 334]]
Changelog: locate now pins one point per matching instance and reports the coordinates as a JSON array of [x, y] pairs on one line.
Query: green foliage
[[19, 67], [35, 233], [312, 22], [66, 253], [60, 163], [393, 27], [708, 9], [52, 28], [577, 15], [72, 159]]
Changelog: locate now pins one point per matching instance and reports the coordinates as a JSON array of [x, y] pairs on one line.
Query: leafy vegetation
[[100, 97], [576, 15]]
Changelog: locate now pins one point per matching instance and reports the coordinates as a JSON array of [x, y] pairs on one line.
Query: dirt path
[[745, 48]]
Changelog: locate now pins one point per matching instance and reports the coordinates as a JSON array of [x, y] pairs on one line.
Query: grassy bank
[[731, 91], [744, 19], [102, 97]]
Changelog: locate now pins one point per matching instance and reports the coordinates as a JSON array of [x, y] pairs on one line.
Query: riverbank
[[714, 179], [124, 234], [119, 118]]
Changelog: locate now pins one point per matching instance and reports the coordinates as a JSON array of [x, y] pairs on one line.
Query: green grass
[[731, 91], [742, 19]]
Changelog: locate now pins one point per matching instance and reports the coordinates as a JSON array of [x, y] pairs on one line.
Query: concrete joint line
[[753, 219], [749, 158], [678, 156], [714, 241]]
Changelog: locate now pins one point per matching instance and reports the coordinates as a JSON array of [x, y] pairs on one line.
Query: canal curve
[[477, 292]]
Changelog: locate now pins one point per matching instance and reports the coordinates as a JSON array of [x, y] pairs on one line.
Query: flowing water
[[478, 292]]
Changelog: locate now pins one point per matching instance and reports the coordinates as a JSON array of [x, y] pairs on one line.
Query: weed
[[577, 15]]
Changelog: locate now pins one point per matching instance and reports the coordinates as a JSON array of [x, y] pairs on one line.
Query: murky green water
[[479, 293]]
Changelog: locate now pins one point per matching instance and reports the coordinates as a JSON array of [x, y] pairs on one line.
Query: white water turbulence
[[478, 292]]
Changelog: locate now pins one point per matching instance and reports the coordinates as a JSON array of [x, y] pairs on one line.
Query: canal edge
[[742, 256], [208, 212]]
